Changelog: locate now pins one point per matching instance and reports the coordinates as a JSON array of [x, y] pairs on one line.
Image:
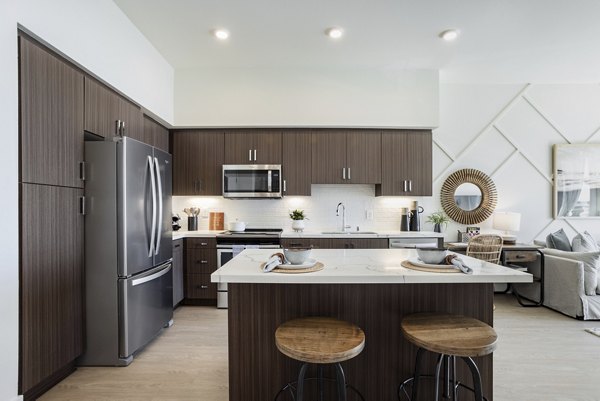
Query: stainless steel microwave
[[251, 181]]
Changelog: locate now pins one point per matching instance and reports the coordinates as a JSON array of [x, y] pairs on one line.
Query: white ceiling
[[501, 40]]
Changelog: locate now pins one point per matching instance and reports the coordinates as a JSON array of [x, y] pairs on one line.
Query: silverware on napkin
[[274, 260], [458, 262]]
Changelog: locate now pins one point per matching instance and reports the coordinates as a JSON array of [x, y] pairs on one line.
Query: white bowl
[[297, 256], [432, 256], [237, 226]]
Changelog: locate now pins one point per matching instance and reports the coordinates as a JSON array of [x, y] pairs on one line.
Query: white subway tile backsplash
[[320, 208]]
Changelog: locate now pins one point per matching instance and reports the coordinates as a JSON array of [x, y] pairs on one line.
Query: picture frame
[[576, 181]]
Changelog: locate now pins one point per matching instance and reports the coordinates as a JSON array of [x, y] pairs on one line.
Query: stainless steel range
[[231, 243]]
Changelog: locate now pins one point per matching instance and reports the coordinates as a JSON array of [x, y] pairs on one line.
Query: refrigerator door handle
[[160, 207], [151, 277], [153, 186]]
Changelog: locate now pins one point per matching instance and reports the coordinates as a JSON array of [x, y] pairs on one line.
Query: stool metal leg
[[476, 378], [320, 382], [418, 361], [438, 368], [341, 382], [454, 385], [300, 386]]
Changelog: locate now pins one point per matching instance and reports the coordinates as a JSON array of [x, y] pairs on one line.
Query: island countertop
[[361, 266]]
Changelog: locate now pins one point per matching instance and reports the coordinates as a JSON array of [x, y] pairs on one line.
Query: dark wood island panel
[[257, 370]]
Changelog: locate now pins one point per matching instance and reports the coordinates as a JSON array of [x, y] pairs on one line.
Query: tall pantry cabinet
[[51, 102]]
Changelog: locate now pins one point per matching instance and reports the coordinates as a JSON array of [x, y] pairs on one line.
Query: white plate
[[308, 263], [418, 262]]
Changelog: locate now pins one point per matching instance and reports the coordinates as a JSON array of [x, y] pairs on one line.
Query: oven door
[[252, 181]]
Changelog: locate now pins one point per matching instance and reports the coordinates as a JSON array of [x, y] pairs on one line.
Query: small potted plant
[[437, 219], [298, 218]]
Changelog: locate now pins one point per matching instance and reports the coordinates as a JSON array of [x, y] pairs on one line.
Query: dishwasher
[[412, 243]]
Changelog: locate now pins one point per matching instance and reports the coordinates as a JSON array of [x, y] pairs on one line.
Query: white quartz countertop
[[195, 234], [366, 234], [361, 266], [318, 234]]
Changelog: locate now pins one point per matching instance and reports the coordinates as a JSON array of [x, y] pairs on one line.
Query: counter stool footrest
[[292, 387]]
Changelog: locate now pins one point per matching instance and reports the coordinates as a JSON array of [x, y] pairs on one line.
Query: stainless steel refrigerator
[[128, 251]]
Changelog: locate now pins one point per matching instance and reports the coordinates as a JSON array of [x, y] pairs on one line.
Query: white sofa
[[563, 289]]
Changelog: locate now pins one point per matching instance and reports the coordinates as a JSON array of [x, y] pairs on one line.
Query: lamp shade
[[507, 221]]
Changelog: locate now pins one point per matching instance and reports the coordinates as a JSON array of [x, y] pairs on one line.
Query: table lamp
[[507, 222]]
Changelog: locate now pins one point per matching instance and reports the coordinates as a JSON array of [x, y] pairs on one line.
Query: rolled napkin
[[458, 262], [274, 260]]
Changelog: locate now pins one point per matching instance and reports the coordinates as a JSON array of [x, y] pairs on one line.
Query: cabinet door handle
[[284, 186], [82, 205], [202, 261], [177, 246], [122, 128], [254, 154], [199, 185], [204, 287], [409, 185], [349, 177], [295, 244], [344, 173], [405, 189], [249, 155], [82, 171], [203, 243], [118, 128]]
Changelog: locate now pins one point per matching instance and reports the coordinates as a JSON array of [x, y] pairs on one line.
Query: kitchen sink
[[348, 232]]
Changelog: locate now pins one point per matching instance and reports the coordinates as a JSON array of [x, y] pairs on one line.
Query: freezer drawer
[[146, 307]]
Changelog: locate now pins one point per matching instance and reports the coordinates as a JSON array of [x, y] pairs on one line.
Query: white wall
[[9, 285], [98, 35], [504, 130], [306, 97], [93, 33]]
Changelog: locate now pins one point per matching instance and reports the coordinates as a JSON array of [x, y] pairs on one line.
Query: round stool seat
[[449, 334], [319, 340]]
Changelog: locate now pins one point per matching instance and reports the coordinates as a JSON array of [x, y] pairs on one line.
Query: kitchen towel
[[237, 249]]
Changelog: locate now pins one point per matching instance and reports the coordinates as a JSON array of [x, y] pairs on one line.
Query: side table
[[518, 256]]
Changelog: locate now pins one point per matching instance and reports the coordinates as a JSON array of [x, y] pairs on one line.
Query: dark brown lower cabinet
[[336, 243], [200, 263], [51, 285]]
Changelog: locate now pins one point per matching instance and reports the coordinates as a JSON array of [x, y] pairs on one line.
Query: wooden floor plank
[[541, 355]]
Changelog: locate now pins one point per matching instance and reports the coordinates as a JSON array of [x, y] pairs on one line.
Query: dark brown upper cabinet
[[253, 146], [406, 159], [346, 157], [155, 134], [197, 162], [107, 114], [297, 162], [51, 281], [51, 106]]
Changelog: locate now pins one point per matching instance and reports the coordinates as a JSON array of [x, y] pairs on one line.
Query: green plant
[[438, 218], [298, 215]]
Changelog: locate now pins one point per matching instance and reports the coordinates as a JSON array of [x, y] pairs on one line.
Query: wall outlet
[[369, 214]]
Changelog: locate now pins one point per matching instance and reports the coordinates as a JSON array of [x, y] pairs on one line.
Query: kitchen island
[[367, 287]]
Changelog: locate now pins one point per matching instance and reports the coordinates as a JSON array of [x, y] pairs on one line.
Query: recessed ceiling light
[[334, 33], [449, 35], [221, 34]]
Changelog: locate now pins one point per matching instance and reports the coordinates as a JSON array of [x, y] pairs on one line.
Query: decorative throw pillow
[[591, 264], [558, 240], [585, 242]]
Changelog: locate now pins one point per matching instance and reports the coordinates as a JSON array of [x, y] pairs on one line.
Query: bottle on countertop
[[405, 219], [415, 210]]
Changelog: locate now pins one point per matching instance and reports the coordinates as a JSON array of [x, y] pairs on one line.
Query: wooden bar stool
[[450, 336], [320, 341]]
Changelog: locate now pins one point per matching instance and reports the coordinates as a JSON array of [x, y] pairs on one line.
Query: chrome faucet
[[337, 213]]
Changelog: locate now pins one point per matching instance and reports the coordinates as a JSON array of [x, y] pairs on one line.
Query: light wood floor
[[542, 355]]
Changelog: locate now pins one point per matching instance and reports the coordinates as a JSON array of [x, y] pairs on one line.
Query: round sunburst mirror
[[469, 196]]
